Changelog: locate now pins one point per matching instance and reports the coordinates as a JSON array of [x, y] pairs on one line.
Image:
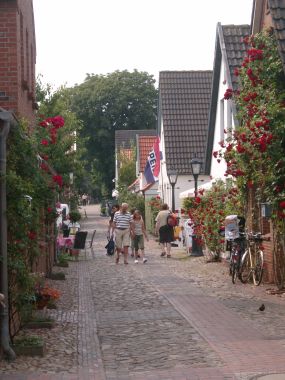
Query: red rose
[[32, 235], [228, 94], [250, 184], [282, 204], [44, 142]]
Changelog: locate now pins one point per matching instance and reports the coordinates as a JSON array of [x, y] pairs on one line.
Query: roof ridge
[[239, 25], [185, 71]]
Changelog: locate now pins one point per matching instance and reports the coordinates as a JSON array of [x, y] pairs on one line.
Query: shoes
[[139, 256], [163, 254], [125, 262], [168, 256], [144, 261], [136, 261], [117, 260], [132, 254]]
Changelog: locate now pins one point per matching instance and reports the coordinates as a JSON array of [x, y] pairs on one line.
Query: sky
[[100, 36]]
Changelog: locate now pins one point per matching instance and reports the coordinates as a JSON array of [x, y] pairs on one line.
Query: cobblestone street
[[169, 319]]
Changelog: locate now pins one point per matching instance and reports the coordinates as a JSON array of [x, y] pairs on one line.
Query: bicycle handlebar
[[257, 236]]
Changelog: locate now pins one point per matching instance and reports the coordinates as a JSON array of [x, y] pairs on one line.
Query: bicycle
[[236, 253], [252, 262]]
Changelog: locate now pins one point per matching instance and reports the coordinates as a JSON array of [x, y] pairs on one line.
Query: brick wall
[[256, 223], [17, 58]]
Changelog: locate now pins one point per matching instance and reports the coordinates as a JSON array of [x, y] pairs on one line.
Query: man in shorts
[[122, 225]]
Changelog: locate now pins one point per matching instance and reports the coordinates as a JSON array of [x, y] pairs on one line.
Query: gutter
[[5, 124]]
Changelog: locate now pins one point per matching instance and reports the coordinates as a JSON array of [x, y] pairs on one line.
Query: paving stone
[[169, 319]]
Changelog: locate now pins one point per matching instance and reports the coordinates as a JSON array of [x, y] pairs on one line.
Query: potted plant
[[74, 216], [45, 295], [29, 346], [62, 260], [39, 322]]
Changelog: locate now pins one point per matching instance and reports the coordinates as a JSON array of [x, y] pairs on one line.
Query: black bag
[[110, 247]]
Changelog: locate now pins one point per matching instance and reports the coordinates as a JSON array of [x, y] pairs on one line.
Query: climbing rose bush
[[255, 151], [207, 212]]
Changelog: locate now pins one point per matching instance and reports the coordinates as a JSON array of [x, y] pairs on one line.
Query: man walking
[[122, 224]]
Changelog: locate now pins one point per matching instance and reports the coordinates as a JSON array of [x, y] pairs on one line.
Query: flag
[[152, 167]]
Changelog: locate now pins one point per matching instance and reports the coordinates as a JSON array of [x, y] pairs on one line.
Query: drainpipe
[[5, 123]]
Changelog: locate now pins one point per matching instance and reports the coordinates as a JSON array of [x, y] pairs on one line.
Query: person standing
[[139, 234], [114, 209], [84, 199], [165, 231], [122, 225]]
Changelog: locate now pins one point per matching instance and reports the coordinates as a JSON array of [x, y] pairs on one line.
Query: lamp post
[[196, 166], [196, 169], [172, 177]]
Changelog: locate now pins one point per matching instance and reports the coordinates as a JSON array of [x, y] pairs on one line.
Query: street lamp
[[172, 177], [196, 166]]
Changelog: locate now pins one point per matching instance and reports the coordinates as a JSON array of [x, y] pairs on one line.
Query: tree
[[106, 103], [127, 171]]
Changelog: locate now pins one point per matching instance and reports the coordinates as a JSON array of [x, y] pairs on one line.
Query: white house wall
[[224, 121], [184, 182]]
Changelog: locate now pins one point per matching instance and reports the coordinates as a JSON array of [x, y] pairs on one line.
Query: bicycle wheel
[[258, 270], [234, 273], [245, 272]]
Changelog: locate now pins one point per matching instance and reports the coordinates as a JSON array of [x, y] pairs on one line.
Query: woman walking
[[165, 230], [139, 234]]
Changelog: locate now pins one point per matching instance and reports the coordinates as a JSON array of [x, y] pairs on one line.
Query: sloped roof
[[126, 138], [184, 100], [277, 10], [145, 145], [233, 48], [230, 47]]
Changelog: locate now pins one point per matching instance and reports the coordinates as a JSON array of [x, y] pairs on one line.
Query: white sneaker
[[136, 261], [144, 261]]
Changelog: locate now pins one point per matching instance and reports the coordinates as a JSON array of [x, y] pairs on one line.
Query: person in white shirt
[[123, 229]]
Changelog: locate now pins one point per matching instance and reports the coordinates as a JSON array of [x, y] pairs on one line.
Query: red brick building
[[17, 58]]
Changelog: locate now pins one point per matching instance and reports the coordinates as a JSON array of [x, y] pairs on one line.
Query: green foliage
[[63, 155], [127, 170], [155, 206], [134, 200], [74, 216], [106, 103]]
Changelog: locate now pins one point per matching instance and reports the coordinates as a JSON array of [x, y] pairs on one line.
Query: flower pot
[[29, 346]]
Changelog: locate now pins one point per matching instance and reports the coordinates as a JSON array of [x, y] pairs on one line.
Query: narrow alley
[[168, 319]]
